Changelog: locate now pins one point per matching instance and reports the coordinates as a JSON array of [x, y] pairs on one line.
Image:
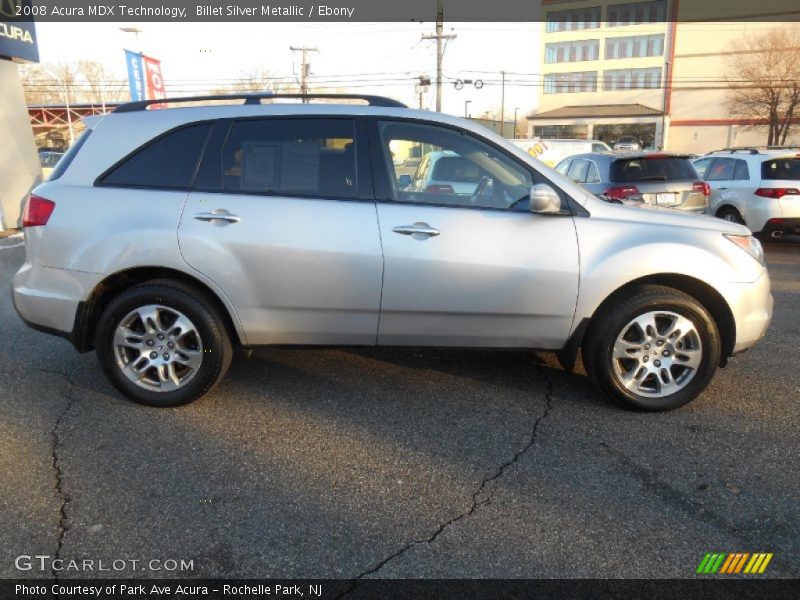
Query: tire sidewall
[[208, 326], [614, 323]]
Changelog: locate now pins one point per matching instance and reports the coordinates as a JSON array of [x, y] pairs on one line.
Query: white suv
[[758, 187], [165, 238]]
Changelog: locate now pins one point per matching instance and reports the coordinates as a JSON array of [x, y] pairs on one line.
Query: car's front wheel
[[655, 348], [162, 343]]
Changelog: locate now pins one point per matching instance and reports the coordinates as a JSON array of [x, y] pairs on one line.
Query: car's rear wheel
[[655, 348], [730, 214], [163, 343]]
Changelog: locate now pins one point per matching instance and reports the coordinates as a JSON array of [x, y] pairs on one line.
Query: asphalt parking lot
[[399, 463]]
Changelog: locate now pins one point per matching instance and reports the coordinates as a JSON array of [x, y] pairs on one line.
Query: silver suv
[[758, 187], [165, 238]]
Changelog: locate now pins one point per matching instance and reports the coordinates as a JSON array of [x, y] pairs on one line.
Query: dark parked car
[[659, 179]]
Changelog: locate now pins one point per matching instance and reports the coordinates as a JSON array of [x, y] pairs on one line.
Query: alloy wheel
[[657, 354], [158, 348]]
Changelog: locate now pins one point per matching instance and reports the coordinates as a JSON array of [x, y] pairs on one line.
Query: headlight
[[749, 244]]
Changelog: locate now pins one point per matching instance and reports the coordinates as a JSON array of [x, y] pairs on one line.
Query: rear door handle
[[219, 215], [421, 229]]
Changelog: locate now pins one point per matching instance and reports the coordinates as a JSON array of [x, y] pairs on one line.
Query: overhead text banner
[[375, 10]]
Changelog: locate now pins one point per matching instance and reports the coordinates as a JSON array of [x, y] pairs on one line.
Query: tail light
[[702, 187], [440, 189], [621, 192], [776, 193], [37, 211]]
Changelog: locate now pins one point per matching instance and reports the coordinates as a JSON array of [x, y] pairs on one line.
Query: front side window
[[563, 166], [462, 170], [295, 157], [169, 162]]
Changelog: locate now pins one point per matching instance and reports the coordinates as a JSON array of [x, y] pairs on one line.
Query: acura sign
[[17, 38]]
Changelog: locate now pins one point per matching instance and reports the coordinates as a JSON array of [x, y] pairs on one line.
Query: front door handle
[[219, 216], [423, 230]]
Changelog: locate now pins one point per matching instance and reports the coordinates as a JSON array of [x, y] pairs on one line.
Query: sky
[[377, 58]]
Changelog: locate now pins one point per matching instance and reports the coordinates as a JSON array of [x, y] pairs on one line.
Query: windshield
[[632, 170]]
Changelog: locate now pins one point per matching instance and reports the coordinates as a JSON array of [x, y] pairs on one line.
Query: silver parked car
[[627, 143], [660, 179], [165, 238]]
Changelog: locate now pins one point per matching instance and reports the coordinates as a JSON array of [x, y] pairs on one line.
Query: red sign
[[155, 83]]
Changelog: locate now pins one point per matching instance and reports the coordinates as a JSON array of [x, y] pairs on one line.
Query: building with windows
[[650, 69]]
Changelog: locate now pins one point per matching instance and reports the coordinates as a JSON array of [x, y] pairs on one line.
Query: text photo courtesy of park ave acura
[[428, 299]]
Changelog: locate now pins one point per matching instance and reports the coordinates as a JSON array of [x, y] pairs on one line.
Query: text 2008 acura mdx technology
[[166, 237]]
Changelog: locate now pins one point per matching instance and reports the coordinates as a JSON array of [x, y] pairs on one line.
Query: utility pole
[[305, 68], [439, 36], [503, 103], [422, 86]]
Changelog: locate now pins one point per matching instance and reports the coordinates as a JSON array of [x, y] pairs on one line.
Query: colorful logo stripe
[[734, 563]]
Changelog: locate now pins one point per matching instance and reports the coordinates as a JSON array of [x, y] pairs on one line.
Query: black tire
[[614, 317], [217, 350], [729, 213]]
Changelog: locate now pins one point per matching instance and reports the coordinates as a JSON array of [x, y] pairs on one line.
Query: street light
[[466, 108], [134, 30]]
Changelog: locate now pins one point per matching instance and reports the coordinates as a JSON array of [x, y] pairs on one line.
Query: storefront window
[[644, 132], [553, 132]]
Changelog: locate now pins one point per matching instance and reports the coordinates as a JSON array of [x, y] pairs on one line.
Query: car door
[[478, 270], [282, 218], [718, 173]]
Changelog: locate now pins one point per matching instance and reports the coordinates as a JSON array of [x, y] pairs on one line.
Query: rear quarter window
[[631, 170], [781, 168], [168, 162]]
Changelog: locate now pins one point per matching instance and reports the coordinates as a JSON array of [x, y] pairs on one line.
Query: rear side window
[[296, 157], [652, 169], [741, 173], [169, 162], [70, 155], [781, 168], [722, 170], [577, 172]]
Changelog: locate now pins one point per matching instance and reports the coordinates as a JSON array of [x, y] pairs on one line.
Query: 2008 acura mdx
[[165, 237]]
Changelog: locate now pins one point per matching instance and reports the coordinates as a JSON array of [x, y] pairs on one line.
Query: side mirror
[[404, 181], [545, 200]]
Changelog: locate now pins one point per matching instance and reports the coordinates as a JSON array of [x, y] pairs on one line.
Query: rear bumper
[[783, 226], [51, 300]]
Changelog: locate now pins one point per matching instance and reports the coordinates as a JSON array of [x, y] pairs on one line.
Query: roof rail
[[257, 98], [748, 149]]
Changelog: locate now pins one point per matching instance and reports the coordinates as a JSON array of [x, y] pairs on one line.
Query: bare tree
[[764, 80], [258, 80], [71, 83]]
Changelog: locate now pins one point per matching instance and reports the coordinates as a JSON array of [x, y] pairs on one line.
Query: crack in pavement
[[481, 497], [61, 492]]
